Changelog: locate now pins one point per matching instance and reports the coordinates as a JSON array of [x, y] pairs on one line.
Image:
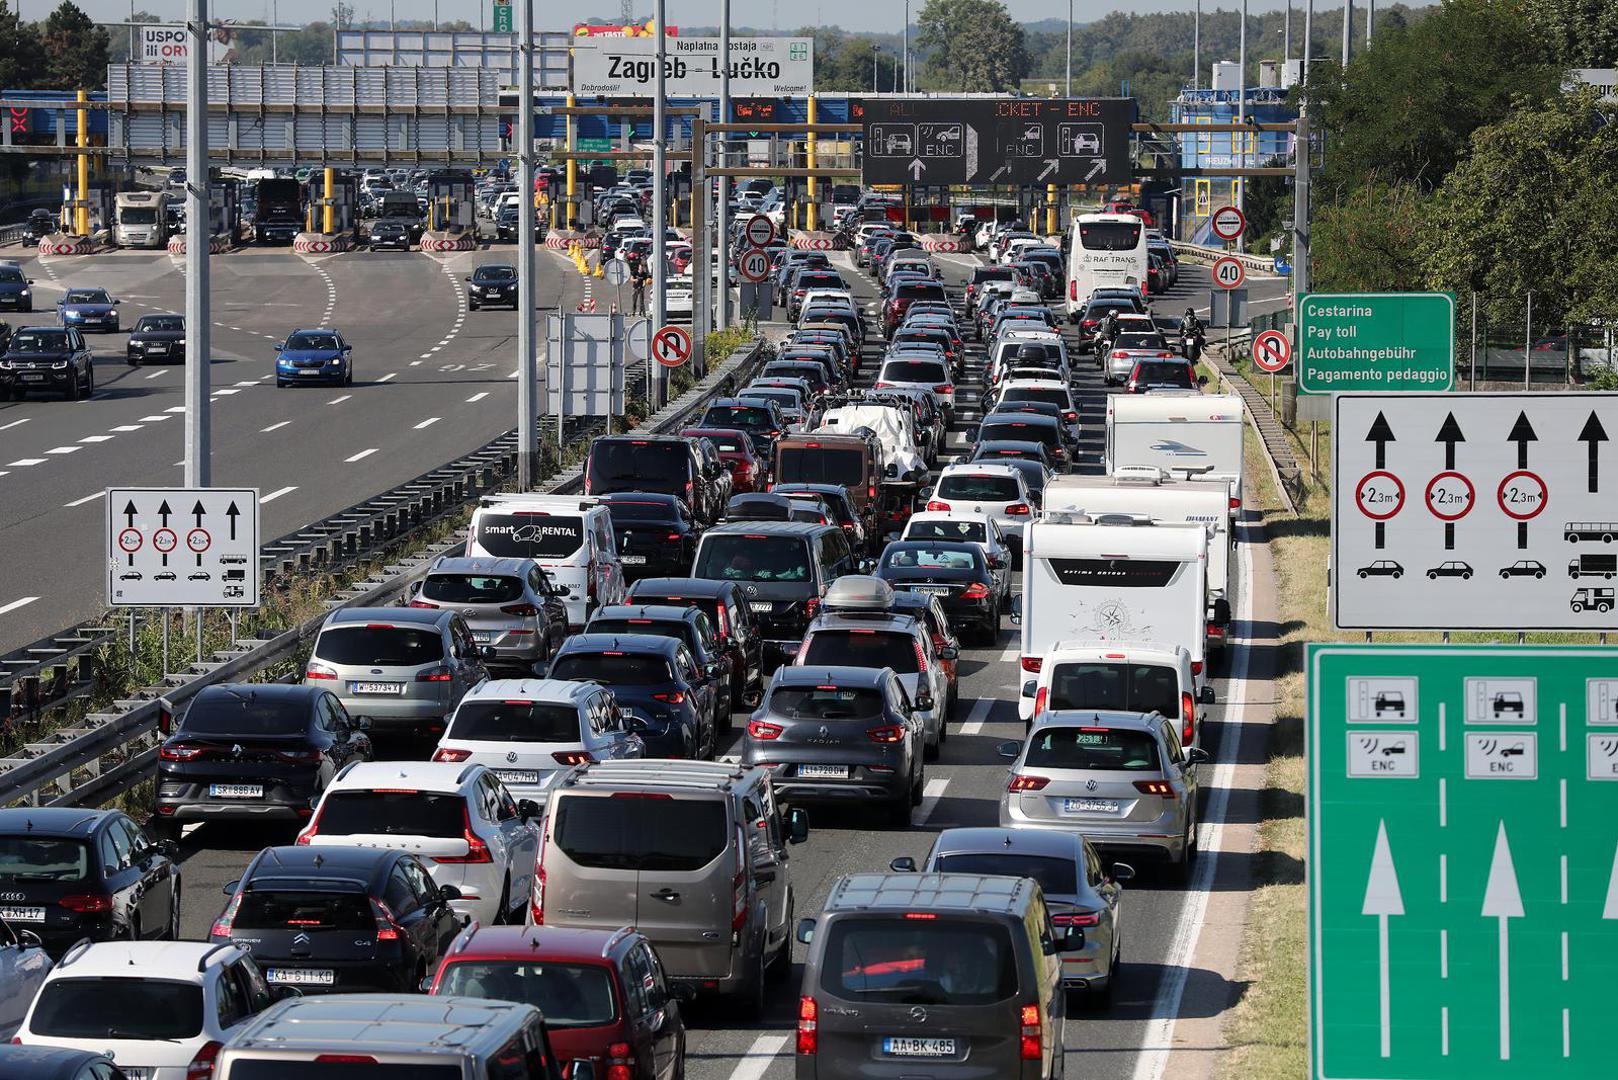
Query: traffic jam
[[587, 762]]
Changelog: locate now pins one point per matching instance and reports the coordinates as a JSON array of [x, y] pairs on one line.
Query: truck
[[1182, 432], [849, 460], [278, 210], [1593, 564], [139, 220]]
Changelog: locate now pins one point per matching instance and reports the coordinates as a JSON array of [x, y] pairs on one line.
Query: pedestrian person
[[638, 297]]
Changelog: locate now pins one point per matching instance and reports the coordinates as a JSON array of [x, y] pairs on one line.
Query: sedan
[[156, 337], [88, 309], [312, 356], [973, 593]]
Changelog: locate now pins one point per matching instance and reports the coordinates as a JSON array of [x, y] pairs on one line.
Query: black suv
[[658, 684], [835, 496], [655, 532], [687, 624], [668, 464], [254, 752], [68, 874], [783, 567], [761, 420], [734, 626], [340, 919], [47, 358], [492, 285]]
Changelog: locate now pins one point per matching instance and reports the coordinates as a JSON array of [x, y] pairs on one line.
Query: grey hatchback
[[509, 605], [404, 668]]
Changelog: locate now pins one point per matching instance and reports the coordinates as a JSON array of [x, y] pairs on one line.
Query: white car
[[1114, 675], [160, 1009], [23, 967], [459, 818], [1050, 391], [678, 298], [920, 371], [980, 487]]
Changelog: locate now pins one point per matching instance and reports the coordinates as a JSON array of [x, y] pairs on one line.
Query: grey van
[[693, 854], [935, 975]]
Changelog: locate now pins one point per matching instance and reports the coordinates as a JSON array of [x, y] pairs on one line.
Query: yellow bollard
[[81, 212], [327, 217], [1050, 210], [809, 157]]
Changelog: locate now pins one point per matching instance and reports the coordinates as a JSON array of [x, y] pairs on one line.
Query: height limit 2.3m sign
[[987, 141], [1475, 512]]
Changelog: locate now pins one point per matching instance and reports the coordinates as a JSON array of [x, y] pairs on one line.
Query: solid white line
[[930, 794], [276, 425], [86, 499], [14, 423], [979, 713], [158, 374], [1012, 652], [429, 422], [339, 400], [388, 376], [64, 450], [479, 396], [361, 454], [15, 604], [97, 438], [756, 1059], [276, 494]]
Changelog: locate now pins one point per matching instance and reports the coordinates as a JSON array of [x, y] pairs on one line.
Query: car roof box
[[858, 592]]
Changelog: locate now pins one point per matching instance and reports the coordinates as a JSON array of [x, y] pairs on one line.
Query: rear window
[[655, 627], [739, 557], [1140, 341], [1093, 749], [245, 713], [1054, 395], [1175, 374], [1109, 235], [656, 833], [515, 721], [292, 909], [985, 486], [641, 510], [1099, 309], [142, 1008], [825, 703], [570, 995], [613, 668], [619, 462], [393, 813], [820, 465], [864, 649], [746, 417], [925, 961], [1123, 687], [960, 532], [914, 371], [727, 445], [43, 858], [920, 290], [821, 280], [908, 556], [471, 589], [990, 273], [530, 535], [1028, 430], [1055, 876], [393, 646]]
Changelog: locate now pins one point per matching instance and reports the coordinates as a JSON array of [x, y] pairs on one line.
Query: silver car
[[1123, 780], [508, 604]]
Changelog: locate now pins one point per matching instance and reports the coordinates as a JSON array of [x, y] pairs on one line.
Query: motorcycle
[[1191, 342]]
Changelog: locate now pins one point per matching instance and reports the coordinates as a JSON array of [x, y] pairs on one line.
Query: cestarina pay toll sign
[[1375, 341]]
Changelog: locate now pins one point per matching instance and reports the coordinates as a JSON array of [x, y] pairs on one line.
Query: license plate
[[1089, 806], [236, 791], [482, 635], [919, 1047], [827, 772], [376, 687], [22, 914], [760, 605], [931, 590], [32, 378], [517, 776], [138, 1072], [302, 976], [309, 371], [632, 560]]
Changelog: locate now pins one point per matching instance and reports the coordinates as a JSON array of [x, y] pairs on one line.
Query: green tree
[[1366, 239], [21, 57], [1578, 33], [974, 45], [76, 49]]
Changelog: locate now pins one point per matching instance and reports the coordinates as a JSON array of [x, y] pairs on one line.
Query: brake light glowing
[[434, 674], [676, 697], [526, 611], [1188, 717], [1076, 918], [1017, 510], [180, 752], [620, 1062], [201, 1066], [935, 504], [1073, 289], [423, 604], [921, 915], [975, 591], [1027, 783], [758, 729], [921, 657], [1196, 667], [1040, 698], [1161, 788], [890, 733], [1031, 1044], [573, 757], [347, 1059], [808, 1025]]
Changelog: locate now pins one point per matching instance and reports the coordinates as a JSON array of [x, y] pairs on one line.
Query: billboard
[[161, 43], [759, 67], [645, 29]]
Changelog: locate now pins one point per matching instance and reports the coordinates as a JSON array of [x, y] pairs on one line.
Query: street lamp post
[[1069, 48]]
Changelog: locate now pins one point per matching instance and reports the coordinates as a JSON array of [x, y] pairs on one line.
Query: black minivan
[[654, 463]]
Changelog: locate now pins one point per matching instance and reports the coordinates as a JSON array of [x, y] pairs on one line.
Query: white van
[[1145, 490], [569, 535], [1183, 432], [1112, 583], [1122, 676]]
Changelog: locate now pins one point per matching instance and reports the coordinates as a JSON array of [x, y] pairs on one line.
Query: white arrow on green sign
[[1375, 341]]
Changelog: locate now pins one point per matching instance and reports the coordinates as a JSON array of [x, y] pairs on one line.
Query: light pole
[[1196, 48], [907, 79], [1241, 110], [722, 216], [660, 198], [527, 348], [1069, 92], [1348, 31], [198, 449]]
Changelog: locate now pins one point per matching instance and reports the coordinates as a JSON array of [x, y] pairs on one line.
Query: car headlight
[[60, 365], [180, 342], [23, 293]]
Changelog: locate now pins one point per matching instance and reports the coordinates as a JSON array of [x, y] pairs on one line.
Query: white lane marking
[[425, 355], [97, 438], [360, 455], [388, 376], [175, 409], [86, 499], [276, 494], [429, 422], [248, 382], [1012, 652], [22, 463], [416, 363], [226, 391], [155, 375], [14, 423], [479, 396], [276, 426], [757, 1059], [979, 713], [157, 417], [127, 427], [64, 450], [339, 400], [15, 604], [930, 794]]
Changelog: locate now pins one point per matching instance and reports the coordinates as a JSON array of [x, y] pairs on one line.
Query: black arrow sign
[[1380, 434], [129, 507], [164, 512], [1449, 536], [1594, 435], [1381, 534], [1449, 433], [198, 511], [233, 514], [1522, 433]]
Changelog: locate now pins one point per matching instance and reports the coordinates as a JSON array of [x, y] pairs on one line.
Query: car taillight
[[921, 657], [1076, 918], [87, 903], [811, 605], [526, 611], [934, 504], [676, 697], [434, 674], [1017, 510], [573, 757], [1027, 783], [944, 388], [1196, 667], [724, 621], [1073, 289], [883, 386], [1033, 663], [347, 1059], [180, 752], [620, 1062], [536, 899], [201, 1067], [423, 604], [312, 670], [476, 850], [386, 928], [975, 591], [758, 729], [1189, 717], [1161, 788], [299, 757], [1031, 1042], [1070, 415], [890, 733], [1040, 698], [808, 1025], [222, 925], [738, 902], [450, 753], [1235, 503]]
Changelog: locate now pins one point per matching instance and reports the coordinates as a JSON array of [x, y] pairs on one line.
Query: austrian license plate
[[1089, 806], [632, 560], [919, 1047], [517, 776], [236, 791], [376, 687], [762, 605], [302, 976], [824, 772], [22, 914]]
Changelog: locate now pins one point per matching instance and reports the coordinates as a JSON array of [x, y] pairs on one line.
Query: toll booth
[[345, 201], [450, 201], [102, 197], [224, 206]]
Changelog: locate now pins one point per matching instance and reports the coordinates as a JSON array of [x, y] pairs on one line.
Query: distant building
[[1266, 104]]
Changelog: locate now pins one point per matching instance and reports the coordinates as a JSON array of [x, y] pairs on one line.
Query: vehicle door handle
[[668, 895]]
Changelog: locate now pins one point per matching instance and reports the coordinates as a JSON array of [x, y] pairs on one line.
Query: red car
[[603, 993], [736, 451]]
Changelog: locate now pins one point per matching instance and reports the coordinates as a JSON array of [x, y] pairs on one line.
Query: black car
[[156, 337], [665, 464], [763, 506], [1005, 451], [492, 285], [958, 574], [1026, 427], [734, 626], [15, 293], [254, 752], [506, 224], [68, 874], [340, 919], [687, 624], [834, 496], [760, 419], [57, 1063], [655, 532], [1163, 375], [390, 233], [669, 699], [840, 735], [47, 358]]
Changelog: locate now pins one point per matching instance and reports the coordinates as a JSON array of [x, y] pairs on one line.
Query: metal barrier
[[1255, 263], [13, 234]]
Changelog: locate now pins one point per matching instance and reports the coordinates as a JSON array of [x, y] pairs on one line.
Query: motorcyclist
[[1109, 326], [1190, 325]]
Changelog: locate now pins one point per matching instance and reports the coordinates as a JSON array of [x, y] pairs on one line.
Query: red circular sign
[[754, 265], [760, 230], [1450, 496], [1271, 351], [130, 540], [1228, 223], [198, 540], [1228, 272], [671, 346], [1522, 495], [165, 540], [1380, 495]]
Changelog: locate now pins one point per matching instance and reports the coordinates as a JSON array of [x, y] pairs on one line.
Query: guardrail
[[1255, 263], [13, 234], [107, 753]]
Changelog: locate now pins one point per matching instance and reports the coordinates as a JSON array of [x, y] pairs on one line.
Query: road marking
[[86, 499], [416, 363], [226, 392], [1012, 652], [156, 417], [275, 426], [127, 427], [479, 396], [388, 376], [339, 400], [97, 438], [930, 794], [154, 375], [64, 450], [360, 455], [14, 423], [25, 601], [757, 1059], [276, 494], [979, 713], [175, 409], [425, 355], [248, 382], [429, 422]]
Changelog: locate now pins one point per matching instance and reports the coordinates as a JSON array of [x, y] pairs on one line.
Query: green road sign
[[1375, 341], [502, 17], [1463, 861]]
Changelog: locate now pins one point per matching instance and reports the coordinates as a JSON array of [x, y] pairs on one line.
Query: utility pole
[[527, 376], [1286, 39], [198, 448], [1348, 31], [1370, 22], [1196, 49], [1300, 207], [722, 215], [660, 200], [1069, 92], [1308, 36], [907, 80], [1240, 183]]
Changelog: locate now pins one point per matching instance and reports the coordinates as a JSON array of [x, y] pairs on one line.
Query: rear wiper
[[115, 1033]]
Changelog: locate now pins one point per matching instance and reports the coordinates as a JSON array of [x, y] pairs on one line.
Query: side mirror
[[1202, 380], [527, 809], [281, 993], [683, 993], [806, 931], [1009, 750], [426, 984], [279, 345], [711, 668], [446, 893], [904, 864], [1029, 688], [1197, 756], [1072, 940], [996, 562], [867, 565], [580, 1069], [27, 939], [949, 652], [229, 888], [486, 652], [168, 849], [924, 702], [1205, 696], [1122, 872], [797, 825], [360, 723], [1016, 610]]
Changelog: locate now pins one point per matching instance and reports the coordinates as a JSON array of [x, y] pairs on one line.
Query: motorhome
[[139, 221], [1184, 433]]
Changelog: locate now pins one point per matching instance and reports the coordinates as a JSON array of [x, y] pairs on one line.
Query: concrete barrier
[[812, 241], [559, 239], [216, 244], [945, 242], [1257, 264], [66, 244], [320, 243], [440, 241]]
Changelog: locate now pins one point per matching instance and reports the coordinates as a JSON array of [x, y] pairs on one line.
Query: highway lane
[[433, 381]]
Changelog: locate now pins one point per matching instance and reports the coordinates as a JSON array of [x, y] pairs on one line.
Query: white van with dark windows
[[569, 536]]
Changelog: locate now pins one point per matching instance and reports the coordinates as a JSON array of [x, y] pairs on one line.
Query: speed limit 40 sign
[[1228, 272], [754, 265]]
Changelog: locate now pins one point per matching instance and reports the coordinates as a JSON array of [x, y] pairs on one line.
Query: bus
[[1104, 251]]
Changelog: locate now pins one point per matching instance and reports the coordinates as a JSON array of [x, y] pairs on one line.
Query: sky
[[883, 15]]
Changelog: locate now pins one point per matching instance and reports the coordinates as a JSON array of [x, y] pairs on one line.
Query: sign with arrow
[[1459, 815], [218, 565], [1486, 555], [943, 141]]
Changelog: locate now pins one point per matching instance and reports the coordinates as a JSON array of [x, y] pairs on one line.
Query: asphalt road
[[1160, 922], [432, 382]]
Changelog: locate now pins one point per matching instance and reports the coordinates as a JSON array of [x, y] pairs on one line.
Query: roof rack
[[617, 936], [223, 946]]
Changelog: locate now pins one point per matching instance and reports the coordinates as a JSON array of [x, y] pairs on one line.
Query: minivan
[[661, 463], [569, 536]]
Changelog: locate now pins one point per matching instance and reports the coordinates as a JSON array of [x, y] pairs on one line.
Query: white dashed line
[[60, 450], [249, 382], [175, 409], [98, 438], [429, 422], [15, 604], [388, 376], [479, 396], [979, 713], [930, 795], [155, 375], [339, 400], [416, 363], [127, 427], [86, 499], [276, 494], [362, 454], [425, 355], [155, 418], [276, 426], [226, 392], [756, 1059], [14, 423]]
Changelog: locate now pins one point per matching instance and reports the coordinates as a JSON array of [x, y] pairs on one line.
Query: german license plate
[[824, 772], [302, 976], [517, 776], [632, 560], [376, 687], [22, 914], [762, 605], [1089, 806], [236, 791], [918, 1047]]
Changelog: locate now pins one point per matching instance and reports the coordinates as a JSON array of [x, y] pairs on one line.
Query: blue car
[[14, 291], [88, 309], [313, 356]]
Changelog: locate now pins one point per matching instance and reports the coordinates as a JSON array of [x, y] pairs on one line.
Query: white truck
[[1182, 432], [1119, 583], [138, 220]]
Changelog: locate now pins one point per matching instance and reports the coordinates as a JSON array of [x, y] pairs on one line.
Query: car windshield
[[1177, 375], [914, 371], [898, 650], [623, 511], [931, 961], [312, 341], [919, 290], [394, 812], [39, 341], [486, 720], [494, 273], [1123, 687], [618, 461], [379, 646], [276, 908], [790, 399], [948, 529], [237, 713], [984, 486], [98, 1008], [43, 858], [658, 834], [87, 296], [825, 703], [472, 588], [752, 557], [530, 535], [10, 275], [1055, 876], [635, 625], [1092, 749], [745, 417], [1141, 341], [820, 465], [163, 323], [614, 668], [569, 995], [990, 273]]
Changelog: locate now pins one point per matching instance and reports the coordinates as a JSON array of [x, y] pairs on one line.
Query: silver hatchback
[[508, 604], [405, 668], [1122, 779]]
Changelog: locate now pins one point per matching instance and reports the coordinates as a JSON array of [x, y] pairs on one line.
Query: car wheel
[[899, 810], [930, 750], [780, 965], [348, 378], [133, 362], [173, 933], [1397, 574], [1577, 607], [133, 933], [1432, 575], [502, 912], [1539, 573], [918, 786], [471, 307], [1467, 576], [750, 998], [1364, 574], [280, 384]]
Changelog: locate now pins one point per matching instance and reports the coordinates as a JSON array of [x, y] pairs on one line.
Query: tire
[[1364, 575], [917, 787], [1180, 872], [348, 379], [1577, 607], [930, 750], [780, 965], [1397, 574], [471, 307], [1538, 574], [899, 810], [1431, 576], [750, 998], [1467, 576], [173, 931], [502, 912], [280, 384], [133, 362]]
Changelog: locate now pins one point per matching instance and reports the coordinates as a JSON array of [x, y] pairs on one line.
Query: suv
[[48, 358], [656, 533], [996, 491], [509, 605], [403, 668], [760, 419], [688, 625], [471, 834], [691, 853], [923, 973], [1126, 676], [669, 700], [69, 874], [658, 463], [492, 284], [735, 629]]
